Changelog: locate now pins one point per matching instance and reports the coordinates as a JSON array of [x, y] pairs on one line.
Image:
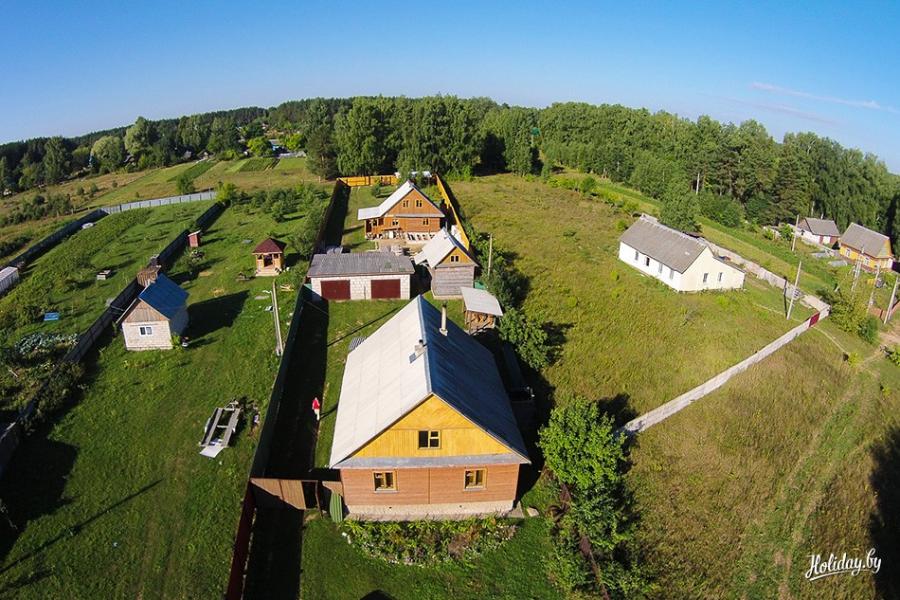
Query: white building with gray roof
[[682, 262], [361, 276]]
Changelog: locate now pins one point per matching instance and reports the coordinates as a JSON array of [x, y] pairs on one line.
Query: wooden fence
[[363, 180], [256, 479], [10, 436], [56, 237], [450, 199]]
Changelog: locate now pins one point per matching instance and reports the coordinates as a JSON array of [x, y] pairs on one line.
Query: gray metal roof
[[669, 246], [359, 263], [385, 378], [480, 301], [819, 226], [866, 241]]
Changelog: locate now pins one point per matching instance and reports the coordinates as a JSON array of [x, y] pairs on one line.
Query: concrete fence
[[11, 434], [684, 400], [770, 278], [155, 202]]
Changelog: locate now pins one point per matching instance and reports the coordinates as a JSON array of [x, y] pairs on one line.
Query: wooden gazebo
[[269, 257], [482, 309]]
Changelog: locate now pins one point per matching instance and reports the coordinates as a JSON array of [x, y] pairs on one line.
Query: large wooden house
[[407, 214], [450, 264], [158, 313], [871, 249], [424, 426]]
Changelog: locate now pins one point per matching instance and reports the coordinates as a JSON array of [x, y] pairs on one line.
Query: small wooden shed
[[450, 264], [158, 313], [482, 309], [194, 239], [269, 257]]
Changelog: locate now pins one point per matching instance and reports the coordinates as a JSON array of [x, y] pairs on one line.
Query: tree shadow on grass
[[211, 315], [884, 522]]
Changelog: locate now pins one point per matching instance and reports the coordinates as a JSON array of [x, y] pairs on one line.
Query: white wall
[[9, 276], [692, 279], [160, 340], [361, 285]]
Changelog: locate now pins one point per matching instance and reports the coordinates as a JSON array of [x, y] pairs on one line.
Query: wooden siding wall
[[446, 280], [459, 436], [463, 258], [413, 224], [438, 485]]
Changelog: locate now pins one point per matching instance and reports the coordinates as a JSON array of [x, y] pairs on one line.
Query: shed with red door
[[361, 276]]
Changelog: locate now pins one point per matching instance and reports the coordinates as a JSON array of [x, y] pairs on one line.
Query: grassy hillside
[[118, 481]]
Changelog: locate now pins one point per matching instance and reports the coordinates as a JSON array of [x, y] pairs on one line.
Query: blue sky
[[832, 68]]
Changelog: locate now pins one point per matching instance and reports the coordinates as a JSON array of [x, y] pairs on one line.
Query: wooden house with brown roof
[[408, 214], [269, 257], [158, 313], [424, 426]]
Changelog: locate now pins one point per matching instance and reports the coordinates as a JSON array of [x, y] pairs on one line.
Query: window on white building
[[145, 330], [647, 261], [659, 270], [671, 273], [705, 277], [636, 256], [720, 277]]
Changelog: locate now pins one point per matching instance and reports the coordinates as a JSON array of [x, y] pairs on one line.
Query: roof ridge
[[655, 223]]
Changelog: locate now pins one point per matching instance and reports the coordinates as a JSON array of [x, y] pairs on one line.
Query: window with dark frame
[[385, 481], [418, 204], [454, 258], [647, 262], [705, 277], [475, 479], [429, 439]]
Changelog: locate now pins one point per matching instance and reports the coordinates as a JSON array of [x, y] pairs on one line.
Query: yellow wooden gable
[[407, 205], [458, 435], [463, 258]]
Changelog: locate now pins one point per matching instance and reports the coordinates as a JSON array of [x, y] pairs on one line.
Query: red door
[[338, 289], [385, 288]]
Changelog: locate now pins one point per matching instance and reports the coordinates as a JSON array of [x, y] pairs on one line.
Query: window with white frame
[[145, 330], [671, 273], [637, 255], [659, 268]]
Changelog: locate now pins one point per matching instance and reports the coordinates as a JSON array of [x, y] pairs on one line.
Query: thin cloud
[[784, 109], [777, 89]]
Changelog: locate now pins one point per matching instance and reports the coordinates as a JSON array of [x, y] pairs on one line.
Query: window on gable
[[454, 258], [385, 481], [475, 479], [145, 330], [429, 438], [419, 203], [406, 204]]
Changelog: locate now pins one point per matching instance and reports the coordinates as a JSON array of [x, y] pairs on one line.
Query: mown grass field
[[118, 482], [634, 334], [127, 241]]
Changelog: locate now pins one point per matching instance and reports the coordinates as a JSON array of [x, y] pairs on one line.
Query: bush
[[587, 185], [721, 209], [868, 329], [894, 355], [52, 397], [528, 337], [427, 542]]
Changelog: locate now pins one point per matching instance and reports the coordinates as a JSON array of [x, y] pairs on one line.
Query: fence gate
[[301, 494]]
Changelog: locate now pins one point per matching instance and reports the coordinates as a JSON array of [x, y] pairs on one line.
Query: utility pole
[[856, 272], [490, 253], [794, 237], [794, 291], [874, 283], [887, 313]]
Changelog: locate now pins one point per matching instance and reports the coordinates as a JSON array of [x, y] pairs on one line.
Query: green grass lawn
[[117, 482], [625, 338], [258, 164], [153, 183], [128, 241], [195, 170]]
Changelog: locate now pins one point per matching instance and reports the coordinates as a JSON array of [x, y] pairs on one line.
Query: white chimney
[[444, 318]]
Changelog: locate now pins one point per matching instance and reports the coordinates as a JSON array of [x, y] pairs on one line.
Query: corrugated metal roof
[[481, 301], [8, 272], [384, 379], [165, 296], [819, 226], [359, 263], [373, 212], [866, 241], [438, 248], [669, 246]]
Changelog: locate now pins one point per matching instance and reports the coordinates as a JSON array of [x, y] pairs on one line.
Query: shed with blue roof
[[157, 314]]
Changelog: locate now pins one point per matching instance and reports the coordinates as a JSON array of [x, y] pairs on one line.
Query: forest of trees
[[726, 172]]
